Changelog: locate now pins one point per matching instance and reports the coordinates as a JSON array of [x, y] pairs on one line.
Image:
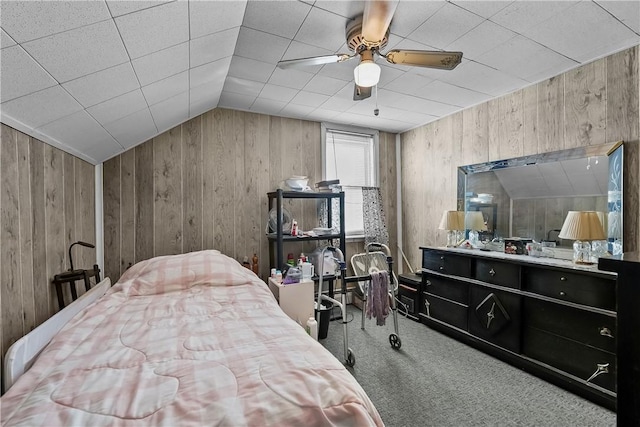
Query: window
[[351, 155]]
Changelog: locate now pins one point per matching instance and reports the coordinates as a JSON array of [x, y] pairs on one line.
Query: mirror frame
[[614, 151]]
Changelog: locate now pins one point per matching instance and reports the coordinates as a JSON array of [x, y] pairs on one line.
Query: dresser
[[549, 317]]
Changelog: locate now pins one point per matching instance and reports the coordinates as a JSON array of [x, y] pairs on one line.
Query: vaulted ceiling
[[95, 78]]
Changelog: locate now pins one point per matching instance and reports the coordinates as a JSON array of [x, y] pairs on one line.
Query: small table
[[70, 278]]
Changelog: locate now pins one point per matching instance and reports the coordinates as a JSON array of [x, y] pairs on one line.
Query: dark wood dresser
[[549, 317]]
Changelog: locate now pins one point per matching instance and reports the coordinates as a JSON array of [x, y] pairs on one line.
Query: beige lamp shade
[[474, 221], [452, 220], [582, 225]]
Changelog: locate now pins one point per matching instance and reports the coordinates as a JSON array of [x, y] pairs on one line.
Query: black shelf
[[277, 239]]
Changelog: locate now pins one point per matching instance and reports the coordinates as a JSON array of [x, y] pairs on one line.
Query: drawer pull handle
[[428, 283], [442, 258], [603, 368], [605, 332], [426, 306], [563, 293], [441, 267], [492, 272], [563, 279]]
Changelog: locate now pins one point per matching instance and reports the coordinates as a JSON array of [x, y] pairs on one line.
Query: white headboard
[[23, 352]]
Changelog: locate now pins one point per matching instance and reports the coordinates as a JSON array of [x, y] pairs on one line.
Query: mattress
[[192, 339]]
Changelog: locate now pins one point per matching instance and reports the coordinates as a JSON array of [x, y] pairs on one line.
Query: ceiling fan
[[366, 35]]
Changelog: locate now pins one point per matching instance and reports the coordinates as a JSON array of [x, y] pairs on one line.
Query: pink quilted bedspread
[[192, 339]]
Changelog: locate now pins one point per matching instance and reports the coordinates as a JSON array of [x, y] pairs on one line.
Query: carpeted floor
[[434, 380]]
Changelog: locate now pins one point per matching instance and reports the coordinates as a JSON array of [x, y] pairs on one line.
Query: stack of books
[[327, 186]]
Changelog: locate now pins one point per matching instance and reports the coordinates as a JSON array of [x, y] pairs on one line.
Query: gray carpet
[[434, 380]]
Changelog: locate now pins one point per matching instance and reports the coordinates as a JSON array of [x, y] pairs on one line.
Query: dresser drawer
[[573, 287], [572, 357], [495, 316], [450, 312], [593, 329], [498, 273], [450, 289], [446, 263]]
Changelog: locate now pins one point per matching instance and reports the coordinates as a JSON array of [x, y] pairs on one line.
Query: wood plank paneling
[[241, 190], [54, 218], [530, 120], [224, 176], [585, 105], [551, 115], [12, 310], [41, 282], [192, 185], [209, 165], [127, 210], [144, 193], [111, 202], [68, 175], [167, 204], [85, 215]]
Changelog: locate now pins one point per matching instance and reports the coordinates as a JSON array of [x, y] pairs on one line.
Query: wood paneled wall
[[204, 184], [593, 104], [47, 203]]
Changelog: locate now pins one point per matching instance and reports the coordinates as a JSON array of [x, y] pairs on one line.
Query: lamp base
[[582, 253]]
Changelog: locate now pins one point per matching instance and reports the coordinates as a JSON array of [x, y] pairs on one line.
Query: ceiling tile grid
[[95, 78]]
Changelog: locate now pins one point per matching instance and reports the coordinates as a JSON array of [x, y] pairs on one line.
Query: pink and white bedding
[[193, 339]]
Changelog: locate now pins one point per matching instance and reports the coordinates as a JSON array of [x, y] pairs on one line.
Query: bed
[[191, 339]]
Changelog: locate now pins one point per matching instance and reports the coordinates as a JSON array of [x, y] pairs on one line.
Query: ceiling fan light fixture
[[367, 73]]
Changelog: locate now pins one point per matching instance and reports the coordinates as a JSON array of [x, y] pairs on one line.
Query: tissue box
[[516, 245]]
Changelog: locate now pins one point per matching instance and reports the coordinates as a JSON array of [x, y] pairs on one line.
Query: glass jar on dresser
[[549, 317]]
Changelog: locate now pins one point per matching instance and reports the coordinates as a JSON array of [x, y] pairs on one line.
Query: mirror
[[529, 196]]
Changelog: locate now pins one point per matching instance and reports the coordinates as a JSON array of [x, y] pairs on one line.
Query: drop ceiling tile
[[29, 20], [282, 18], [582, 32], [166, 88], [445, 26], [628, 12], [325, 85], [79, 52], [250, 69], [449, 94], [413, 103], [411, 14], [301, 50], [103, 152], [322, 29], [344, 8], [211, 72], [521, 15], [21, 75], [388, 74], [118, 107], [407, 83], [213, 47], [204, 98], [309, 99], [260, 46], [133, 129], [207, 17], [481, 78], [103, 85], [486, 9], [321, 115], [341, 101], [296, 110], [171, 112], [278, 93], [164, 26], [481, 39], [236, 101], [268, 106], [120, 7], [5, 39], [78, 130], [340, 70], [514, 57], [242, 86], [294, 79], [162, 64], [41, 107]]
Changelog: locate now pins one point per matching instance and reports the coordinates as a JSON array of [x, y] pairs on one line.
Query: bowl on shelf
[[297, 183]]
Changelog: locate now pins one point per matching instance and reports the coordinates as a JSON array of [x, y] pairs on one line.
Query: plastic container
[[312, 328], [323, 319]]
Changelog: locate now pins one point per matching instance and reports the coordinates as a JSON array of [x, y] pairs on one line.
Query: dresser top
[[554, 262]]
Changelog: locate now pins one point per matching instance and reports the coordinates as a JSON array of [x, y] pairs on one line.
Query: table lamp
[[582, 226], [474, 222], [453, 222]]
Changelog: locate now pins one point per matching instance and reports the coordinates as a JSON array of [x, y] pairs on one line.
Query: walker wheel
[[395, 341], [351, 359]]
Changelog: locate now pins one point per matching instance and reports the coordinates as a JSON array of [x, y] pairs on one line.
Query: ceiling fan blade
[[425, 58], [315, 60], [360, 93], [376, 19]]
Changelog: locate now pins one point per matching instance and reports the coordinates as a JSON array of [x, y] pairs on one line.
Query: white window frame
[[374, 134]]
